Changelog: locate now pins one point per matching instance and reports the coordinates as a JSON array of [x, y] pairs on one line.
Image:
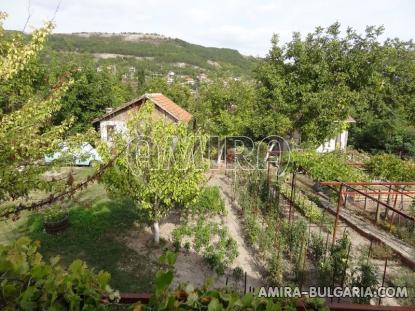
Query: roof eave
[[121, 108]]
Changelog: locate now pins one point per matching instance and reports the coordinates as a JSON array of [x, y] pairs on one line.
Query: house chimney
[[108, 110]]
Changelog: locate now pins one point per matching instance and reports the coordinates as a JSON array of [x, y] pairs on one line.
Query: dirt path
[[233, 220]]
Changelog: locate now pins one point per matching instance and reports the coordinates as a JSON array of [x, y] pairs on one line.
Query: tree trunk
[[156, 230], [220, 153], [269, 151]]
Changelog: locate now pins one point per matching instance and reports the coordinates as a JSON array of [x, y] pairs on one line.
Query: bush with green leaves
[[364, 276], [294, 233], [211, 240], [186, 246], [390, 167], [316, 247], [209, 202], [238, 274], [405, 279], [275, 269], [30, 283], [330, 166], [187, 297], [252, 227], [333, 266]]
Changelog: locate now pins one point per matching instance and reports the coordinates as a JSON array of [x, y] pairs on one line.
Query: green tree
[[159, 165], [313, 82], [391, 168], [25, 131], [384, 78], [141, 81], [303, 87], [89, 95], [177, 92], [224, 108]]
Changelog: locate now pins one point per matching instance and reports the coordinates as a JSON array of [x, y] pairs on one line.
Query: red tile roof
[[171, 107], [166, 104]]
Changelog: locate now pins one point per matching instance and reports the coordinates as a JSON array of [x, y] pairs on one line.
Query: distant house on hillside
[[202, 77], [115, 120], [189, 81], [112, 69], [170, 77], [337, 143]]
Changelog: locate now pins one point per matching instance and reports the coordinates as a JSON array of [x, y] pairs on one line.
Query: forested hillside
[[155, 52]]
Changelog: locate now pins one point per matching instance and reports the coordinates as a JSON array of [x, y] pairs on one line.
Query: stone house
[[116, 119]]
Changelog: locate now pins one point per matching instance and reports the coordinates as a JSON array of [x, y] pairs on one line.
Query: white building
[[189, 81], [170, 77], [337, 143]]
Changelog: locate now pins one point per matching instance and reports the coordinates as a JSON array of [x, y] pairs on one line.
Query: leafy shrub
[[275, 268], [405, 279], [338, 254], [180, 232], [252, 227], [215, 260], [209, 202], [328, 166], [364, 276], [391, 167], [316, 247], [203, 234], [210, 240], [186, 297], [332, 267], [186, 246], [29, 283], [176, 246], [294, 234], [238, 274]]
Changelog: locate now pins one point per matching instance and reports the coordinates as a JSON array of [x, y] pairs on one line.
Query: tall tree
[[141, 80], [89, 95], [224, 108], [177, 92], [159, 165], [303, 87], [25, 131], [311, 84]]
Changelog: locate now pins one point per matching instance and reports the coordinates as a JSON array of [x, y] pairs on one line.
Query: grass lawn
[[97, 224]]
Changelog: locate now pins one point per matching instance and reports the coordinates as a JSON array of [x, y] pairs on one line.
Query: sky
[[245, 25]]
